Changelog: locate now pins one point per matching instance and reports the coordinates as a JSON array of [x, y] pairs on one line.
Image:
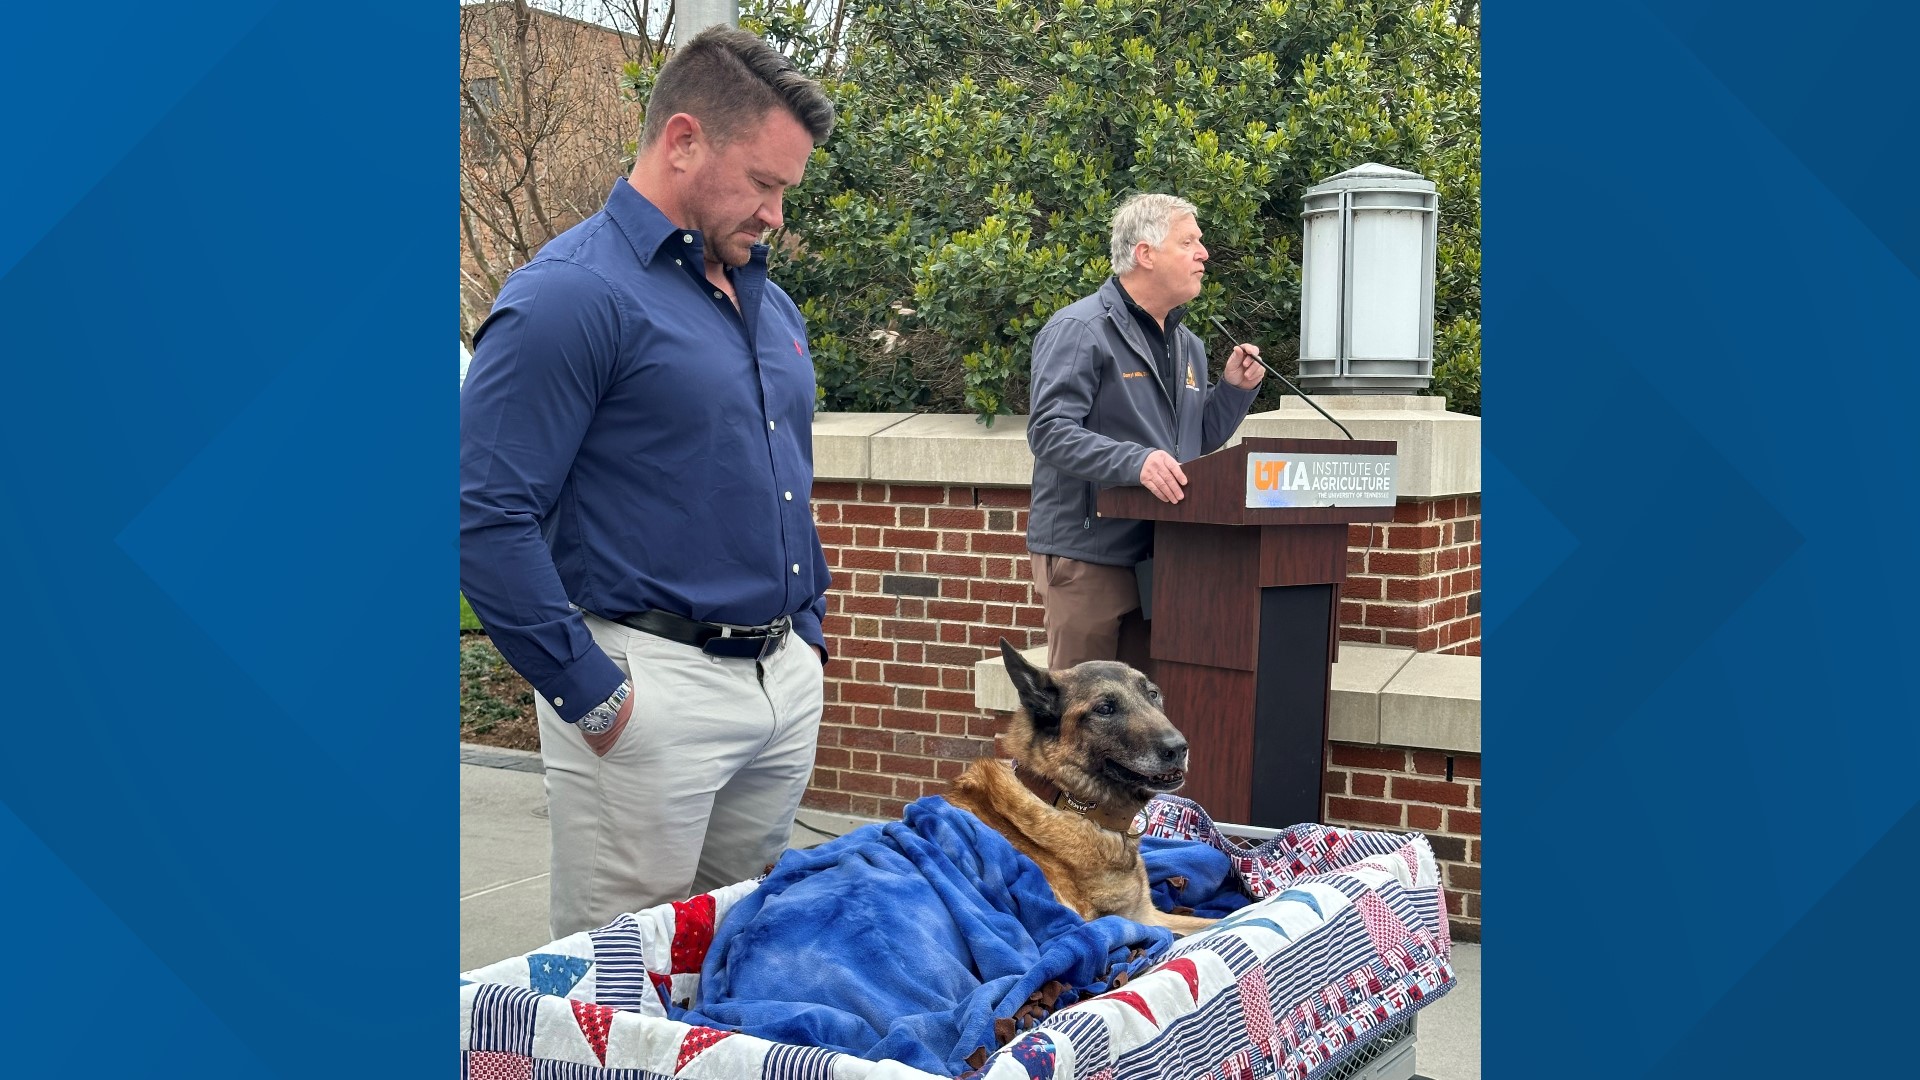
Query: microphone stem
[[1289, 382]]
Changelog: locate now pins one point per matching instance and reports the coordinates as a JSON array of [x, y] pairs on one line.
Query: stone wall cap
[[1437, 675], [1433, 702], [853, 424], [993, 688], [1368, 668], [951, 448], [1353, 716], [957, 426], [843, 443], [1385, 695]]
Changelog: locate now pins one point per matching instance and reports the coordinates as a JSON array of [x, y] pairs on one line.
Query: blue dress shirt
[[630, 441]]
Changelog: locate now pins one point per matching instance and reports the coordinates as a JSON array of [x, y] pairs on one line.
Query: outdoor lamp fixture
[[692, 16], [1366, 282]]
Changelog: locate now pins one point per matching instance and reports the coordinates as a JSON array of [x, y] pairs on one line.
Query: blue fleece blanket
[[1191, 874], [906, 941]]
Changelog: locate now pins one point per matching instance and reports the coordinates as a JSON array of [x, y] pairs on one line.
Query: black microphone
[[1289, 382]]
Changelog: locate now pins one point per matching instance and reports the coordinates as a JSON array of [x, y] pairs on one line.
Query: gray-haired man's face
[[1180, 260]]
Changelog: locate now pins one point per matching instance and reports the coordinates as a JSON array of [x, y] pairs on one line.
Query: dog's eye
[[1153, 694], [1104, 707]]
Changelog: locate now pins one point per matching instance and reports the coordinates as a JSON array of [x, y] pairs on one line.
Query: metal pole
[[692, 16]]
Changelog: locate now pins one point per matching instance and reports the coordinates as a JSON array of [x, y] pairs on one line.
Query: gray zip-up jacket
[[1099, 408]]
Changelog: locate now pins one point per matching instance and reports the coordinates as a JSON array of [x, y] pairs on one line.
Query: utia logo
[[1276, 475]]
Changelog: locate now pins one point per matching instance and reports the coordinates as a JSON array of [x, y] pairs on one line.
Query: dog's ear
[[1039, 695]]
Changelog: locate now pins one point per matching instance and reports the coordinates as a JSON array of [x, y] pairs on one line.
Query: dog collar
[[1061, 799]]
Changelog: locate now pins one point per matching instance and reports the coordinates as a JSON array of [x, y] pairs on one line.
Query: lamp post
[[1366, 282], [692, 16]]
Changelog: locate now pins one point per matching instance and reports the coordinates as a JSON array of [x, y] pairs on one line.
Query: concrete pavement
[[503, 857], [503, 894]]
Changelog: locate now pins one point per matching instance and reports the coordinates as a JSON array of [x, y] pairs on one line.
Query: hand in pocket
[[604, 741]]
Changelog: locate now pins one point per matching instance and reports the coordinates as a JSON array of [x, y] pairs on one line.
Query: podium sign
[[1319, 480]]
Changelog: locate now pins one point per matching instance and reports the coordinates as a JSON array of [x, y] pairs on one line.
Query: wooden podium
[[1245, 619]]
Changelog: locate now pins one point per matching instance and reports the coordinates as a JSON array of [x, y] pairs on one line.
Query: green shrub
[[966, 192], [491, 692], [468, 620]]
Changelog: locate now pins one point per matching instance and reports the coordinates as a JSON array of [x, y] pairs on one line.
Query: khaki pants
[[1093, 612], [701, 788]]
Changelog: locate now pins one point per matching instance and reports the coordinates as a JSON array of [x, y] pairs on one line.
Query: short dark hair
[[728, 79]]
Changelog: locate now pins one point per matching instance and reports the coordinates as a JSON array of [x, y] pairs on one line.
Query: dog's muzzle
[[1161, 781]]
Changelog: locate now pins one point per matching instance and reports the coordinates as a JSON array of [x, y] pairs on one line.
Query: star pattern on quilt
[[498, 1065], [552, 973], [1383, 926], [1257, 1010], [698, 1041], [595, 1022], [692, 932], [1411, 856]]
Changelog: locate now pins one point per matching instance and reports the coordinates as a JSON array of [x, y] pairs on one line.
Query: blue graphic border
[[1700, 363], [228, 795]]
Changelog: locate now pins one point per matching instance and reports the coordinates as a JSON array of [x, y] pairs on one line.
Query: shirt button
[[686, 238], [559, 703], [769, 425], [718, 295], [796, 568], [677, 262], [789, 496]]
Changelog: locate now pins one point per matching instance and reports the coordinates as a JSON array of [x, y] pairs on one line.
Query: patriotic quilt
[[1331, 936]]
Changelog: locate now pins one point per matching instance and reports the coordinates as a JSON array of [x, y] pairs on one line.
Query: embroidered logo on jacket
[[1191, 385]]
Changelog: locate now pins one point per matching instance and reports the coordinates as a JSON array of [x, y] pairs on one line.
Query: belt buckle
[[746, 646], [732, 647], [775, 635]]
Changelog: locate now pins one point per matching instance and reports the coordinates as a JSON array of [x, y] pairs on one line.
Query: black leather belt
[[714, 639]]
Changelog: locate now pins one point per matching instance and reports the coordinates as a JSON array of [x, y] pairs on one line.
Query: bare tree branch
[[546, 125]]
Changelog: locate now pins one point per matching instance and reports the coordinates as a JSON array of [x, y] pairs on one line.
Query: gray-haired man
[[1120, 396]]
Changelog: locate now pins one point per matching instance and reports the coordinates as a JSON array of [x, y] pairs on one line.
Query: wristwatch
[[599, 719]]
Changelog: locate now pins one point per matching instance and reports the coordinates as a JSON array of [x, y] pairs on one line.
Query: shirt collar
[[649, 231], [1173, 317], [642, 223]]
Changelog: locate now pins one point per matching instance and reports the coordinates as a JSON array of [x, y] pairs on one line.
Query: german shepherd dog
[[1091, 746]]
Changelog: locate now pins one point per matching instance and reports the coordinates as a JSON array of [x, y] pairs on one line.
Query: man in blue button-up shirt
[[635, 469]]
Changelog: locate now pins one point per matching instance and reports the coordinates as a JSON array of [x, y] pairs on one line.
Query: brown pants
[[1093, 612]]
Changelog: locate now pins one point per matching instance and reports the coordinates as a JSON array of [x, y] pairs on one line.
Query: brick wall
[[1427, 791], [1415, 582], [927, 580]]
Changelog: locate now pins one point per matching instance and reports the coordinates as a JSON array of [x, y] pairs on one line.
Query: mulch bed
[[496, 704]]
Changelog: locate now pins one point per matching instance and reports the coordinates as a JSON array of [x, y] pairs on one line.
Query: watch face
[[596, 723]]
